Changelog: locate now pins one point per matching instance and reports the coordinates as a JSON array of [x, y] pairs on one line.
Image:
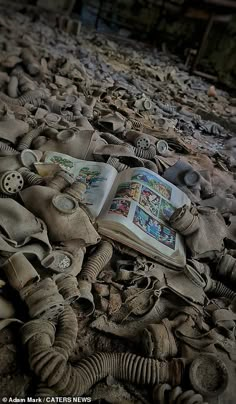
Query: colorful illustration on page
[[63, 162], [153, 228], [151, 181], [129, 190], [120, 207], [149, 200], [166, 210], [91, 176]]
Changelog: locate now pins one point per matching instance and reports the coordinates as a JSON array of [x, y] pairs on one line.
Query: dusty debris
[[211, 91], [166, 393]]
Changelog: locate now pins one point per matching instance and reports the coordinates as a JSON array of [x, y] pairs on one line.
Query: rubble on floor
[[79, 313]]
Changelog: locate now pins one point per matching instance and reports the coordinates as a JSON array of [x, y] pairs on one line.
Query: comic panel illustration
[[166, 210], [91, 176], [149, 200], [153, 228], [128, 190], [63, 162], [120, 207], [154, 183]]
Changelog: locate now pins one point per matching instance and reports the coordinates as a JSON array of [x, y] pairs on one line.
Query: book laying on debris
[[131, 207]]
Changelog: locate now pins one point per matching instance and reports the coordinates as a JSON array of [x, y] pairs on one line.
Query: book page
[[99, 178], [142, 201]]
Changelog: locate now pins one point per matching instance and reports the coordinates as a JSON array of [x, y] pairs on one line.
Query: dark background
[[183, 27]]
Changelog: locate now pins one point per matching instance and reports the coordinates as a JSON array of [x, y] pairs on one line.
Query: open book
[[131, 207]]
